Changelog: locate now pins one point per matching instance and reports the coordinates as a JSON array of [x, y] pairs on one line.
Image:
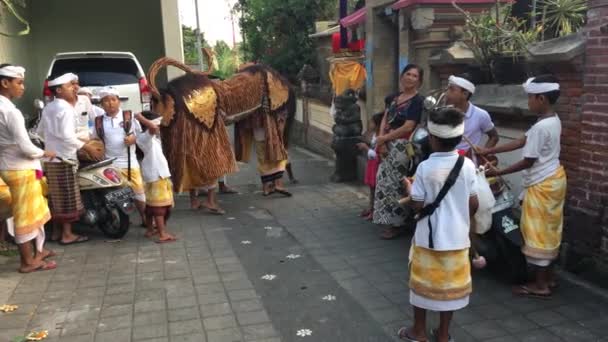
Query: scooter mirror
[[38, 104]]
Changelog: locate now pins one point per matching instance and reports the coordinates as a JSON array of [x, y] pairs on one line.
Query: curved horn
[[165, 62]]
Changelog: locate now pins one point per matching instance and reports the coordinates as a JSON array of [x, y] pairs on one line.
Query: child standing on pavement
[[443, 195], [156, 176], [373, 161], [544, 180]]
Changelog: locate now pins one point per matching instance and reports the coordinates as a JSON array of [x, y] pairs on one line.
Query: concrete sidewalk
[[305, 268]]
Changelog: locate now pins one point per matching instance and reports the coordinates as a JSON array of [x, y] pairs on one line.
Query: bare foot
[[150, 233], [166, 238], [195, 204], [38, 266], [46, 253]]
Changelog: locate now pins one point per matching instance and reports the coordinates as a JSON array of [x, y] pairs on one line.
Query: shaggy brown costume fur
[[195, 140]]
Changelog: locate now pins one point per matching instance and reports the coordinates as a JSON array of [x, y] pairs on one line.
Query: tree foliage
[[275, 32], [227, 59], [189, 41]]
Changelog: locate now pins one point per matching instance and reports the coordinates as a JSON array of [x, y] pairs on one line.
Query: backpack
[[127, 118]]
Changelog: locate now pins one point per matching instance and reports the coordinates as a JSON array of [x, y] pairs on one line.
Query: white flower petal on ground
[[304, 332], [231, 218], [268, 228], [268, 277], [246, 242], [329, 298], [293, 256]]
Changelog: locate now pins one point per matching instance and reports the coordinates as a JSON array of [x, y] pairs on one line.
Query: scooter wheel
[[115, 224]]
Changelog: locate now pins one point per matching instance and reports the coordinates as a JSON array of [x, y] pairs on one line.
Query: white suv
[[98, 69]]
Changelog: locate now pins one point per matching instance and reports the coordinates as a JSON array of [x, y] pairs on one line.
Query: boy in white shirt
[[119, 143], [544, 181], [157, 178], [440, 270]]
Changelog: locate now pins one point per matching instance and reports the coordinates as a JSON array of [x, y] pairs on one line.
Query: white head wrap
[[108, 91], [63, 79], [539, 88], [445, 131], [13, 71], [85, 90], [462, 83]]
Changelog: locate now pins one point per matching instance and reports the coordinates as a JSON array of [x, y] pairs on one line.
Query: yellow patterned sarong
[[30, 209], [136, 184], [542, 217], [6, 210], [268, 170], [440, 275], [159, 193]]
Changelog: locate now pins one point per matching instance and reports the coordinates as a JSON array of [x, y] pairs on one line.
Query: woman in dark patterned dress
[[400, 120]]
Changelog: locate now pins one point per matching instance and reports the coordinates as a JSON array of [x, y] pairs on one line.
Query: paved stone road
[[269, 270]]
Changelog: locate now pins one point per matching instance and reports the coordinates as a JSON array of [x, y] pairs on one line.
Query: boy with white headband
[[544, 180], [157, 178], [20, 174], [58, 125], [84, 111], [477, 122], [97, 111], [444, 197], [117, 129]]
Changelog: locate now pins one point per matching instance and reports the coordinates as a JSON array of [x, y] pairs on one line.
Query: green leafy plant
[[563, 17], [10, 6], [495, 33]]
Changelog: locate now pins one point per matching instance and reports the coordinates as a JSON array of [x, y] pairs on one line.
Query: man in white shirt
[[119, 143], [84, 111], [19, 171], [477, 122], [58, 124]]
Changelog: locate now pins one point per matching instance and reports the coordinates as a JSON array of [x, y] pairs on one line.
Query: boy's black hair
[[413, 66], [53, 89], [5, 77], [377, 119], [551, 96], [149, 115], [467, 77], [451, 117]]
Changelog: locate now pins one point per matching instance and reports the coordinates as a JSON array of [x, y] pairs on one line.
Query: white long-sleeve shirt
[[114, 139], [84, 112], [59, 129], [17, 152], [154, 166]]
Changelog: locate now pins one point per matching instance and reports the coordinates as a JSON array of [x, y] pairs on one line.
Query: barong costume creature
[[195, 109]]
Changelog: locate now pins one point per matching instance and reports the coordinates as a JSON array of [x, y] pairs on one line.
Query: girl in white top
[[20, 170]]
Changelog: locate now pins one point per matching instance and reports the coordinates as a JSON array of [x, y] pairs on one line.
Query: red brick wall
[[588, 176]]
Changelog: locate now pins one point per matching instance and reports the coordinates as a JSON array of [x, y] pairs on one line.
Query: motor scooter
[[107, 199]]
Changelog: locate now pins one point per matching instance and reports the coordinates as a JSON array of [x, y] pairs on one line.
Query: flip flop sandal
[[284, 192], [166, 240], [524, 291], [266, 194], [405, 335], [79, 239], [214, 211], [229, 192], [47, 266], [434, 335]]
